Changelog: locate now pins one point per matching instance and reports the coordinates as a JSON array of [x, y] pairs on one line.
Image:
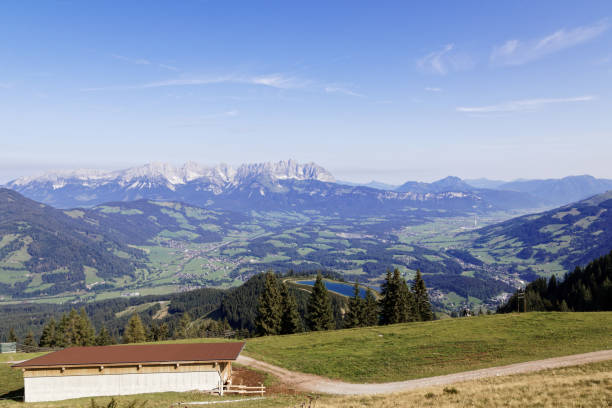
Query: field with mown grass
[[425, 349]]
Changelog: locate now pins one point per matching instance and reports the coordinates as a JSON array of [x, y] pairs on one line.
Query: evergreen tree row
[[398, 303], [584, 289], [73, 329], [276, 309], [277, 313], [136, 331]]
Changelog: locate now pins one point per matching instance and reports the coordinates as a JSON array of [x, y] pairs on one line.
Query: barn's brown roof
[[137, 354]]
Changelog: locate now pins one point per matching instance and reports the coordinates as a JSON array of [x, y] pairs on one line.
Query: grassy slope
[[406, 351]]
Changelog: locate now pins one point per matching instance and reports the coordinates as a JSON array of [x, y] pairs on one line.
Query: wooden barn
[[78, 372]]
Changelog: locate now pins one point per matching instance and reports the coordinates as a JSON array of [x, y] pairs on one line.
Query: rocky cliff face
[[159, 180]]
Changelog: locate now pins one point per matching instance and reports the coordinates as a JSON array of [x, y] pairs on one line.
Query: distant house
[[78, 372]]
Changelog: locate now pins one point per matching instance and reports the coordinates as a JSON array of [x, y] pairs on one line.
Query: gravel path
[[314, 383]]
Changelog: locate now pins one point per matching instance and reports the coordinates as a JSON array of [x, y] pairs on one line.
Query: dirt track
[[313, 383]]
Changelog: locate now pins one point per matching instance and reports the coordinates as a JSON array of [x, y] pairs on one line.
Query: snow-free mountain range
[[288, 185]]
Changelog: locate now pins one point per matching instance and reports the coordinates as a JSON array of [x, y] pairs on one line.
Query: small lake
[[345, 289]]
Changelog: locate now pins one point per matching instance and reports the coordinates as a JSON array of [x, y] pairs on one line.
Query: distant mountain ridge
[[551, 192], [164, 174], [292, 186], [561, 191], [280, 186]]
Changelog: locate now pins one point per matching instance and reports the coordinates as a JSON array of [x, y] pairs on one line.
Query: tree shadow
[[15, 395]]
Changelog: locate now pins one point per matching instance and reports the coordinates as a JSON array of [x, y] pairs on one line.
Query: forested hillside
[[237, 306], [552, 241], [44, 250], [584, 289]]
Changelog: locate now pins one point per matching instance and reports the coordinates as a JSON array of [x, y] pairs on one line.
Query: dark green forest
[[584, 289], [237, 306]]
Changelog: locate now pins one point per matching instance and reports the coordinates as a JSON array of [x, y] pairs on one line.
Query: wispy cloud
[[444, 60], [343, 91], [433, 89], [143, 61], [523, 105], [276, 81], [516, 52]]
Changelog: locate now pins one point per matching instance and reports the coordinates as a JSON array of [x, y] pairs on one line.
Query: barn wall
[[112, 370], [66, 387]]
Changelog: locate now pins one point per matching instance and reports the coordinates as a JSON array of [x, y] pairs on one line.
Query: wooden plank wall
[[128, 369]]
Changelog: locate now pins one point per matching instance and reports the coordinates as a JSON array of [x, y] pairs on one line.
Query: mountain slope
[[568, 236], [45, 250]]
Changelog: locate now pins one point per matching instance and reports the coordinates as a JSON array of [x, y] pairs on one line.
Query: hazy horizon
[[358, 176]]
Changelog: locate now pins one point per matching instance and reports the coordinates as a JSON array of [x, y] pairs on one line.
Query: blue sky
[[392, 91]]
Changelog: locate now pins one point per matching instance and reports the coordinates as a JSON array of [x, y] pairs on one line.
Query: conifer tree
[[397, 301], [370, 316], [61, 340], [85, 333], [48, 336], [134, 331], [388, 294], [421, 298], [104, 338], [290, 321], [182, 331], [69, 329], [159, 332], [28, 342], [269, 308], [12, 336], [405, 303], [320, 314], [354, 315], [563, 306]]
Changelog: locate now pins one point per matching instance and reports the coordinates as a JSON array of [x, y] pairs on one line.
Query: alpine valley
[[89, 235]]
